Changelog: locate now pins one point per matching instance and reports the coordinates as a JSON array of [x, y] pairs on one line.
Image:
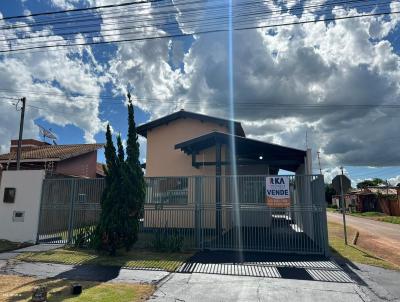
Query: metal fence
[[201, 212], [67, 207]]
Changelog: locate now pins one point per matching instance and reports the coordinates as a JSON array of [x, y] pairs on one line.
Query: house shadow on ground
[[272, 265]]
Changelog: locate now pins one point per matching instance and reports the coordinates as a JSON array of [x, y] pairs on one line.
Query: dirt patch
[[380, 247]]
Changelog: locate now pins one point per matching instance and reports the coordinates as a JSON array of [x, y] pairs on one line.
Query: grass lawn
[[351, 252], [137, 258], [378, 216], [18, 288], [6, 245]]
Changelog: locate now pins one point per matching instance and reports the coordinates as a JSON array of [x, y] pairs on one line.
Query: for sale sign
[[277, 192]]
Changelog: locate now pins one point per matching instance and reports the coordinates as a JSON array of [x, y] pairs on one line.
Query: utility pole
[[343, 207], [21, 130], [319, 163]]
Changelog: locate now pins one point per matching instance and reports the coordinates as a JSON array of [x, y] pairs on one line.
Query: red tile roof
[[53, 152]]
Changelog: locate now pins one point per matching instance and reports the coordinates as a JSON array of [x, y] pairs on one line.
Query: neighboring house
[[76, 160], [184, 145], [372, 199], [360, 200], [388, 199]]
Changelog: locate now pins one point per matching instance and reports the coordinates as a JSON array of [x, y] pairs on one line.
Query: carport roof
[[248, 150]]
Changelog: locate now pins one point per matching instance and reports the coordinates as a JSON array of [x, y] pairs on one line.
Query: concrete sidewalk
[[11, 266], [81, 272], [33, 248]]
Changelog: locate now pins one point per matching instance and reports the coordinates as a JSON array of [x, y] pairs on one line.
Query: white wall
[[28, 186]]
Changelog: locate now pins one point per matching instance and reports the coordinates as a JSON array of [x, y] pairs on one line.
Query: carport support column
[[218, 216]]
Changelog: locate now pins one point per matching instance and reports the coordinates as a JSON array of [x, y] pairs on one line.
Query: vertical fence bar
[[71, 212]]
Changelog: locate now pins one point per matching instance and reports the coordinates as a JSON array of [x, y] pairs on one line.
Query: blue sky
[[345, 62]]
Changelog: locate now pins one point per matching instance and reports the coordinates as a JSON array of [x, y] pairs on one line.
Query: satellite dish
[[47, 133]]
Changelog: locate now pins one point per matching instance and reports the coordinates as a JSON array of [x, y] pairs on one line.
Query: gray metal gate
[[204, 212], [68, 206], [248, 223]]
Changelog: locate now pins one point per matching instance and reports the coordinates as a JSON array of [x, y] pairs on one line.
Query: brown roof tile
[[55, 152]]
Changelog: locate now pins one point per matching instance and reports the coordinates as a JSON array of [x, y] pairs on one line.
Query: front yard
[[18, 288], [137, 258]]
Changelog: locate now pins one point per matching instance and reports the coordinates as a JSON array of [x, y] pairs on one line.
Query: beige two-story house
[[189, 158]]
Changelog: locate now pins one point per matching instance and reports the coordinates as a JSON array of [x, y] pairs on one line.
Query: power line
[[185, 22], [256, 16], [188, 25], [79, 9], [200, 32], [209, 9]]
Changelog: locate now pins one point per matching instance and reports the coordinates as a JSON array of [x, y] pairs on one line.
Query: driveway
[[220, 276], [208, 287]]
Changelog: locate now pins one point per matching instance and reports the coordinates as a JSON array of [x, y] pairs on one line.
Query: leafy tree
[[370, 183], [124, 193]]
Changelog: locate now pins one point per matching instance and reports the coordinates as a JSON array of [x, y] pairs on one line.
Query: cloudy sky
[[332, 82]]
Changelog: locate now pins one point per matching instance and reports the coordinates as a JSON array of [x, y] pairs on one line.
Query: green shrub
[[84, 238], [167, 242]]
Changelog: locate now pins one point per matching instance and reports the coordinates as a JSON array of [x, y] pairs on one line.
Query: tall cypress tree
[[107, 230], [124, 194], [133, 178]]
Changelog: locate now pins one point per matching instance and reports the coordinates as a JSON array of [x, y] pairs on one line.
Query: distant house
[[372, 199], [75, 160]]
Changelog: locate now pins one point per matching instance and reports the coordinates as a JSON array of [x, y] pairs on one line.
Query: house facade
[[191, 144], [189, 163]]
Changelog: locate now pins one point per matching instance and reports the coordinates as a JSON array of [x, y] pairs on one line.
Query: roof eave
[[142, 129]]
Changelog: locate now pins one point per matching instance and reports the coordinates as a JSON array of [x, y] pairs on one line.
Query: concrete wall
[[28, 186], [164, 160], [84, 165]]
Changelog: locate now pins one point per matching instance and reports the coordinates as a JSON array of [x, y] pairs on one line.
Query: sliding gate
[[231, 213], [201, 212], [244, 220]]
